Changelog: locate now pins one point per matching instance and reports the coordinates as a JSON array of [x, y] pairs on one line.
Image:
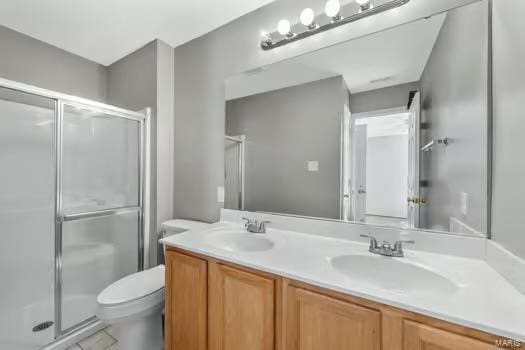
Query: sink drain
[[42, 326]]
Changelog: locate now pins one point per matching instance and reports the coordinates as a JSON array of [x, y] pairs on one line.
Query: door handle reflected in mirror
[[361, 191], [416, 200]]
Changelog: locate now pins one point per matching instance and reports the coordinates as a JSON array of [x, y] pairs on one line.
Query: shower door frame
[[240, 140], [142, 209]]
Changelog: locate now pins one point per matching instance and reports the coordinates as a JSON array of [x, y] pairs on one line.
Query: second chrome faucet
[[255, 226], [386, 248]]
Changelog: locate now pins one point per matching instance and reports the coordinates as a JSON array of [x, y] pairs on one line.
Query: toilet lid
[[132, 287]]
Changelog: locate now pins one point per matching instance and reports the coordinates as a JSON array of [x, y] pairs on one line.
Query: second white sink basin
[[239, 241], [392, 274]]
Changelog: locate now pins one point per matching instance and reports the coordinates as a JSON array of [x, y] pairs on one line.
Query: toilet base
[[140, 333]]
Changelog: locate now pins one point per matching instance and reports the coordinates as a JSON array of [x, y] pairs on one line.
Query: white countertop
[[484, 300]]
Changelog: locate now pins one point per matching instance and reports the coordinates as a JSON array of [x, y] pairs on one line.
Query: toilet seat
[[136, 295], [133, 287]]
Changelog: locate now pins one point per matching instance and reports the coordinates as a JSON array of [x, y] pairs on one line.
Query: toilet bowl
[[134, 306]]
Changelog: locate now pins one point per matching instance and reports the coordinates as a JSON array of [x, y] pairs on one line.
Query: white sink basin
[[239, 241], [392, 274]]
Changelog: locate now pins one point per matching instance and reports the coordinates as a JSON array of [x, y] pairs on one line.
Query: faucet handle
[[373, 241], [248, 221], [264, 222], [398, 246]]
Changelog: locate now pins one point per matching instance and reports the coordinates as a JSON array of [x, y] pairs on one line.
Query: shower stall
[[72, 210]]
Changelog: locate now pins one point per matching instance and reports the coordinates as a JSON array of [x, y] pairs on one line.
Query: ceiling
[[107, 30], [391, 57]]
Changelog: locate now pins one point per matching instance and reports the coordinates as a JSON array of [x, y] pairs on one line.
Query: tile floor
[[102, 340]]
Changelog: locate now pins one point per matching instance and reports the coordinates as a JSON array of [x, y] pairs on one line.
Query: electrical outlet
[[220, 194]]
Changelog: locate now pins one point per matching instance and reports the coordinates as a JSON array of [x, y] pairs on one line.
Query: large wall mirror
[[387, 129]]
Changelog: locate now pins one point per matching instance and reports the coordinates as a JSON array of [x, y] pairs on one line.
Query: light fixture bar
[[271, 44]]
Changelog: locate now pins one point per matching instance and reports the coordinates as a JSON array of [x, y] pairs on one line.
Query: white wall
[[386, 176]]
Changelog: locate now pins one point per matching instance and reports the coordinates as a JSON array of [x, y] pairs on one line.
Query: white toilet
[[134, 305]]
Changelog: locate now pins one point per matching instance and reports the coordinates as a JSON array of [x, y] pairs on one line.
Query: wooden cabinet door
[[317, 322], [186, 302], [241, 310], [418, 336]]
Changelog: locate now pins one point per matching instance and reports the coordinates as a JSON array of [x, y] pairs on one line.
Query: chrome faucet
[[385, 248], [255, 226]]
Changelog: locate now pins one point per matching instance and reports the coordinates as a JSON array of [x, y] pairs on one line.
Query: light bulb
[[284, 27], [266, 38], [364, 4], [332, 9], [307, 17]]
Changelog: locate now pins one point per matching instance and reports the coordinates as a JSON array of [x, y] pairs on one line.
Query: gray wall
[[454, 105], [143, 79], [34, 62], [385, 98], [165, 86], [508, 221], [132, 84], [284, 130], [201, 66]]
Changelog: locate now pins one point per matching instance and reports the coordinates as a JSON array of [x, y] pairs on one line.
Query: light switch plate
[[313, 165], [220, 194], [464, 203]]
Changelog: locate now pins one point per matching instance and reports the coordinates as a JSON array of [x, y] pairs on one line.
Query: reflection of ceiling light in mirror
[[307, 18], [256, 71], [266, 38], [284, 28], [364, 4], [332, 9], [381, 80]]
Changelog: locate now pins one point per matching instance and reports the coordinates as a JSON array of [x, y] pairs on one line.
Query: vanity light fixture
[[333, 11], [364, 4], [284, 28], [266, 38], [307, 18]]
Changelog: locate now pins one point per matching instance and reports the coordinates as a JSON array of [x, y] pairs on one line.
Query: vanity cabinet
[[422, 337], [186, 302], [315, 321], [215, 305], [241, 308]]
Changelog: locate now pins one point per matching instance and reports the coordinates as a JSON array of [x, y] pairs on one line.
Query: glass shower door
[[100, 207], [234, 172], [27, 211]]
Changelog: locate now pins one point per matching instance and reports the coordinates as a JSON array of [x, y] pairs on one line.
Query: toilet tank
[[176, 226]]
